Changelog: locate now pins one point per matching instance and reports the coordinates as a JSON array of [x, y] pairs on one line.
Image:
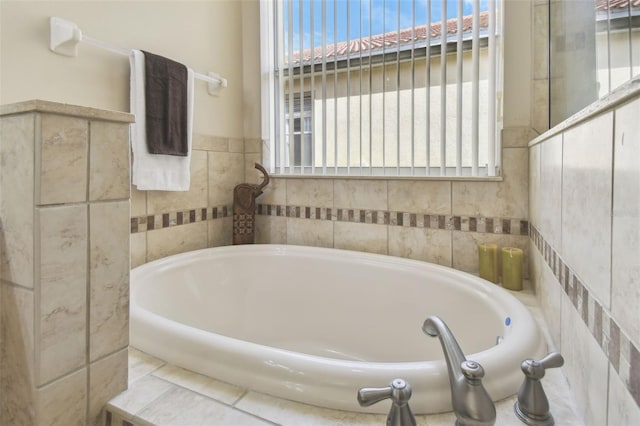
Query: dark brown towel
[[166, 104]]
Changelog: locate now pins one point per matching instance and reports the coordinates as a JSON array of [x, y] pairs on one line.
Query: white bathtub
[[314, 325]]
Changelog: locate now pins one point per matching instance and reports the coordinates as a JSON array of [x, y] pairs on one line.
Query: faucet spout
[[471, 403]]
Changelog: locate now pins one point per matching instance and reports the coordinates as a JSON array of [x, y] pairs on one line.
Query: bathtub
[[314, 325]]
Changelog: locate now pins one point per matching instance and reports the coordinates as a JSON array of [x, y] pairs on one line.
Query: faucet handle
[[399, 392], [536, 369], [532, 406]]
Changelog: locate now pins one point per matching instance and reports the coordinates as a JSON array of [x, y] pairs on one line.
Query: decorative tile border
[[177, 218], [488, 225], [623, 355], [414, 220]]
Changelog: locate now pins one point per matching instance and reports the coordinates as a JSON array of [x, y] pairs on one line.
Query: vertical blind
[[381, 87]]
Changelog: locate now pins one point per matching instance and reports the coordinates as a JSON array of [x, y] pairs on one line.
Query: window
[[297, 144], [367, 91]]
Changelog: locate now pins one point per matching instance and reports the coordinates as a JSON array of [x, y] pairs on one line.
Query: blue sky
[[383, 13]]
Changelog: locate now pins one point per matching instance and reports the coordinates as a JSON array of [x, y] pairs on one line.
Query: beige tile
[[176, 239], [586, 204], [62, 160], [63, 402], [622, 408], [287, 413], [210, 143], [196, 197], [534, 185], [550, 295], [360, 236], [16, 209], [109, 161], [140, 394], [138, 245], [203, 385], [226, 170], [271, 230], [428, 245], [625, 250], [586, 366], [179, 407], [465, 248], [107, 378], [253, 146], [550, 191], [275, 192], [361, 194], [141, 364], [310, 192], [138, 202], [307, 232], [220, 232], [17, 370], [560, 398], [432, 197], [109, 278], [61, 318], [236, 145], [508, 199], [517, 137]]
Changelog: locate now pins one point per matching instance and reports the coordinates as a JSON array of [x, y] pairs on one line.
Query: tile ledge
[[38, 105], [620, 95]]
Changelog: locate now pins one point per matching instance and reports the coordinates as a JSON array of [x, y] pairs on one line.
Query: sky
[[375, 16]]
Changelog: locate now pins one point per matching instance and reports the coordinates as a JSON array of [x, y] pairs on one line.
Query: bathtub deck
[[165, 395]]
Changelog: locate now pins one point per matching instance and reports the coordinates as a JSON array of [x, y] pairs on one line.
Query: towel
[[165, 91], [156, 171]]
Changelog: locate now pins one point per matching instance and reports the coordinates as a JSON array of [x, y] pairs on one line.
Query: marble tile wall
[[166, 223], [585, 251], [435, 221], [64, 210]]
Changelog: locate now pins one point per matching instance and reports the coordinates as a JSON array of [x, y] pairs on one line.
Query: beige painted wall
[[204, 35]]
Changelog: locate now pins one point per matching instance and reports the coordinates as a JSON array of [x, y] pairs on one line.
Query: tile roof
[[390, 40], [602, 5]]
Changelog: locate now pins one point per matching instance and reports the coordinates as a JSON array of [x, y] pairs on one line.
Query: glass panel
[[587, 62]]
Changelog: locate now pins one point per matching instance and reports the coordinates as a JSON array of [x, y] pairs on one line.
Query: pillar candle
[[512, 268], [488, 261]]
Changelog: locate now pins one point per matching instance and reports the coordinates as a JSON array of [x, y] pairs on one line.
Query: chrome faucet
[[399, 392], [472, 404]]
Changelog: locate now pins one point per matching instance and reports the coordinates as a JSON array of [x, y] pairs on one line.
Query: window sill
[[379, 177]]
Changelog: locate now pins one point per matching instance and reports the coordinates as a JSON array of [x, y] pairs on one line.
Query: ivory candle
[[512, 268], [488, 261]]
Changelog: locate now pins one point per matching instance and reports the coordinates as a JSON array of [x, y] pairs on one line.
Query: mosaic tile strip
[[406, 219], [177, 218], [622, 353], [377, 217]]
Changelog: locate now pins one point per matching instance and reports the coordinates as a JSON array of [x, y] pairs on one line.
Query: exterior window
[[382, 87], [299, 142]]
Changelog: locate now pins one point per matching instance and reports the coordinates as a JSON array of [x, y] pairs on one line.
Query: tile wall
[[166, 223], [585, 253], [439, 221], [65, 261]]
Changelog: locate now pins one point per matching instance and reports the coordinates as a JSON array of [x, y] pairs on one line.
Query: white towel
[[151, 171]]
